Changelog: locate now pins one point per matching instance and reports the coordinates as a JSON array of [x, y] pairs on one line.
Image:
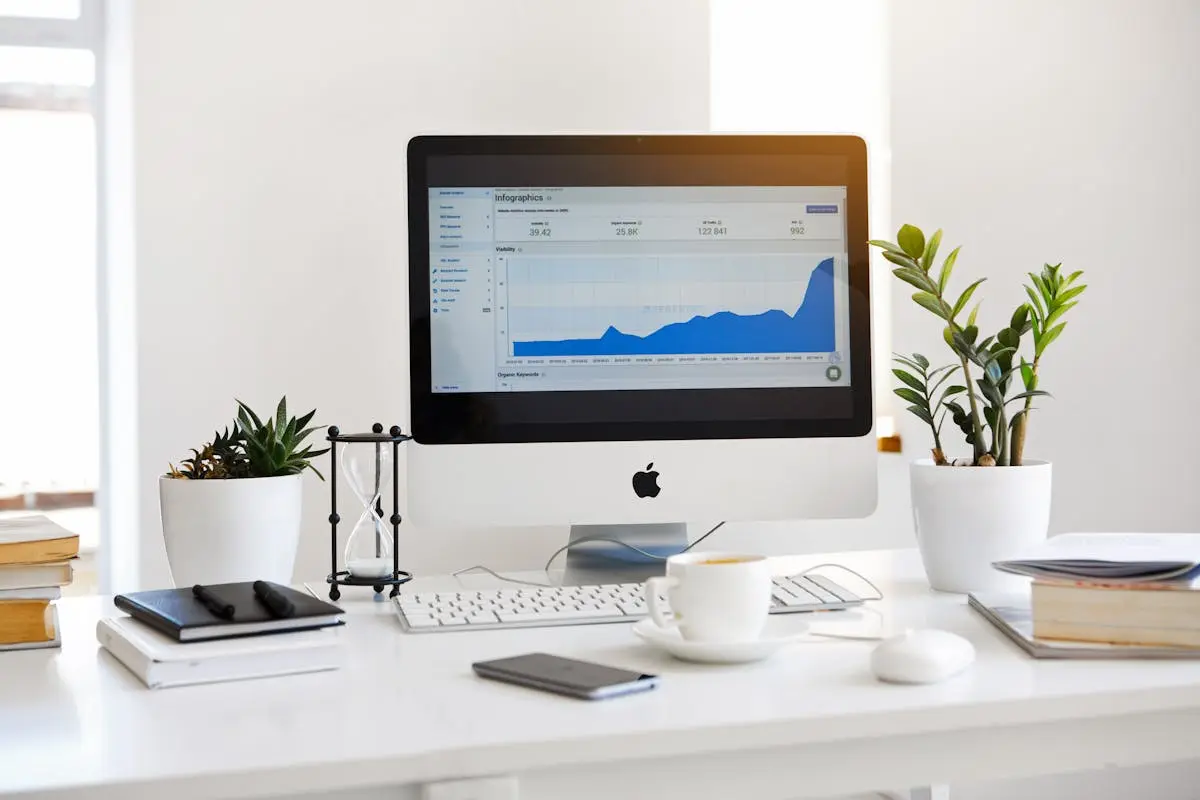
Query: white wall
[[270, 197], [1069, 131]]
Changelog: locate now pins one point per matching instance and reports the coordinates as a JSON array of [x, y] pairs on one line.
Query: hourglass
[[368, 551], [367, 464]]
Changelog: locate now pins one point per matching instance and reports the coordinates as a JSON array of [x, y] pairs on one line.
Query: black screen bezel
[[638, 415]]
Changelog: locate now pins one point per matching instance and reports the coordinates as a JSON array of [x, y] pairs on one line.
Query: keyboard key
[[421, 622], [574, 613], [801, 585], [840, 592], [800, 590], [786, 592], [522, 617], [482, 619], [824, 595]]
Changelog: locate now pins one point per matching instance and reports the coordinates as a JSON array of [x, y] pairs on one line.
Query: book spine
[[1116, 634], [1130, 608], [142, 615]]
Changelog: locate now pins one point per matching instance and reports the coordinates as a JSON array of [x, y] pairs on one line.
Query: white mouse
[[922, 656]]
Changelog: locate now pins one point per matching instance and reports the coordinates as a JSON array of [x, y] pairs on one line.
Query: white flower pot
[[968, 517], [224, 531]]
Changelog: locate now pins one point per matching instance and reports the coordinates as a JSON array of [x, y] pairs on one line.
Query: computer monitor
[[627, 333]]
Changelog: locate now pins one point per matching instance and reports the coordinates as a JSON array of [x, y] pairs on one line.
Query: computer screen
[[632, 288], [539, 288]]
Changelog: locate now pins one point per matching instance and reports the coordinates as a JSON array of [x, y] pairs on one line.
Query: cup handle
[[653, 587]]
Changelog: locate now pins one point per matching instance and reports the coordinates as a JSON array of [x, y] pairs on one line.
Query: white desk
[[407, 710]]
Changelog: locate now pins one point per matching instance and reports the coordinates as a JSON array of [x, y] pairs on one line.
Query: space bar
[[554, 616]]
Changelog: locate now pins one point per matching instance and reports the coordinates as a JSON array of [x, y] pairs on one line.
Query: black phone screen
[[556, 672]]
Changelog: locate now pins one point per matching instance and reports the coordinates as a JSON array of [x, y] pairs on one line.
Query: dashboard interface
[[591, 288]]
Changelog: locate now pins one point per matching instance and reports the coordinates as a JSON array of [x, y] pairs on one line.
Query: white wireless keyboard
[[534, 607]]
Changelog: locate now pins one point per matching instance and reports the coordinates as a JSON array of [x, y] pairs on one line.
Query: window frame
[[85, 32]]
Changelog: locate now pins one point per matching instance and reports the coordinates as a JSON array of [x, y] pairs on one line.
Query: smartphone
[[581, 679]]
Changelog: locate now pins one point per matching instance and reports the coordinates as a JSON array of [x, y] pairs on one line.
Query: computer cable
[[494, 574], [559, 551], [627, 545], [844, 568]]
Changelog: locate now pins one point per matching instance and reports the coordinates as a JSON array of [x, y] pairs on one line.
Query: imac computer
[[626, 333]]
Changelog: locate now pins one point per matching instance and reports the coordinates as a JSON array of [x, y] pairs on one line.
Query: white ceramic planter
[[223, 531], [968, 517]]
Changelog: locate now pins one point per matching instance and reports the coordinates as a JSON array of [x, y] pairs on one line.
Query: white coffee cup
[[714, 597]]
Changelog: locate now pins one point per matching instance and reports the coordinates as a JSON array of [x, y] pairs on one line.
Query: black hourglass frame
[[343, 577]]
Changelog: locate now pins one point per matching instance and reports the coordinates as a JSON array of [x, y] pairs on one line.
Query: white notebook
[[161, 662]]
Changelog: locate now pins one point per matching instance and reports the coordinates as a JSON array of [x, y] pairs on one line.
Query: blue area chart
[[809, 330]]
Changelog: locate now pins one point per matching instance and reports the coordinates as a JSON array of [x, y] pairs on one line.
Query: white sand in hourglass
[[370, 567]]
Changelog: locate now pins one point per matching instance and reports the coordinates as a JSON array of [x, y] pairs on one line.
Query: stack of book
[[1129, 592], [35, 563], [223, 632]]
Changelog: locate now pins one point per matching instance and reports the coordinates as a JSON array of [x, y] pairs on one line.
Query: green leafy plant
[[995, 433], [920, 389], [254, 449]]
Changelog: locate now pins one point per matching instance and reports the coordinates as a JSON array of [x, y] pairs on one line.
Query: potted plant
[[231, 512], [973, 510]]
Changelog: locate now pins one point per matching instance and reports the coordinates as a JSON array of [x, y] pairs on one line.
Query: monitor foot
[[591, 560]]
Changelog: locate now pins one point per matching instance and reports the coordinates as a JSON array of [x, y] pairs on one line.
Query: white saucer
[[716, 652]]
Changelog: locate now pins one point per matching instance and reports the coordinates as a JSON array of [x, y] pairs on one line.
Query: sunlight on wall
[[813, 66]]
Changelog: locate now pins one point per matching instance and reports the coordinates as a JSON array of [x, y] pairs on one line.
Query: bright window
[[43, 9], [49, 405]]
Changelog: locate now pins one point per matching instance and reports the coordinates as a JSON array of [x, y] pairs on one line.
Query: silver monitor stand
[[592, 561]]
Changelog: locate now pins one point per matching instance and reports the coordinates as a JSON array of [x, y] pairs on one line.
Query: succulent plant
[[274, 448], [252, 449], [223, 457]]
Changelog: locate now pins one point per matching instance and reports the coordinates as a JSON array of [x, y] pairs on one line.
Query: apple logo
[[645, 484]]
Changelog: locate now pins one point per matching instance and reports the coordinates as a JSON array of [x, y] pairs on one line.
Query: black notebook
[[178, 614]]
